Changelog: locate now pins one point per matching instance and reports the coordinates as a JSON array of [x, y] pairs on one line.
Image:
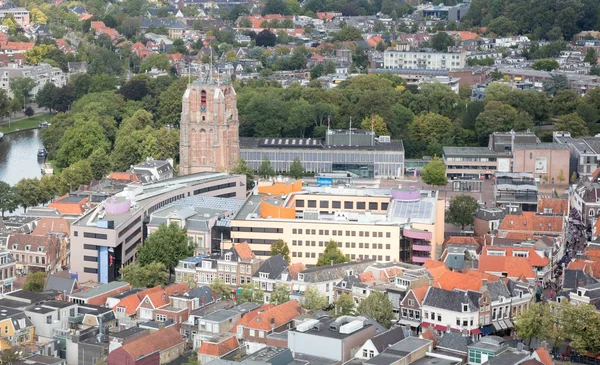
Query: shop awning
[[509, 324], [487, 330], [441, 328], [503, 325], [497, 326], [406, 322], [476, 331], [426, 324]]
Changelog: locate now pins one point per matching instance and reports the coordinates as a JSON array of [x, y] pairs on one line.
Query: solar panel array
[[413, 210]]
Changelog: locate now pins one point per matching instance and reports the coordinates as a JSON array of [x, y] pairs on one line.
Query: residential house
[[197, 298], [410, 307], [485, 349], [41, 74], [70, 206], [454, 343], [121, 338], [379, 343], [7, 271], [20, 15], [13, 48], [539, 263], [507, 266], [58, 227], [100, 28], [216, 348], [140, 50], [16, 328], [97, 295], [126, 308], [329, 338], [269, 273], [236, 265], [203, 326], [272, 320], [64, 285], [587, 294], [174, 27], [34, 253], [160, 347], [453, 309], [158, 299], [51, 318]]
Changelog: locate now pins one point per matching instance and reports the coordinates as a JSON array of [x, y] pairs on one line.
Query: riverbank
[[24, 124]]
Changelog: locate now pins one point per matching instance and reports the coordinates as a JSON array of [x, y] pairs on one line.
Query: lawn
[[25, 123]]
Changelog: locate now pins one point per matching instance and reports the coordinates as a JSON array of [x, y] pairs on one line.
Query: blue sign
[[103, 264], [324, 181]]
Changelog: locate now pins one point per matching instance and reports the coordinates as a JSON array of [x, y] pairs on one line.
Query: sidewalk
[[21, 115]]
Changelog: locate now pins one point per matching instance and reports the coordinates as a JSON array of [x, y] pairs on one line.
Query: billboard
[[541, 165], [504, 164]]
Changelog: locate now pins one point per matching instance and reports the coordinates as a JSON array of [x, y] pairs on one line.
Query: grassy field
[[25, 123]]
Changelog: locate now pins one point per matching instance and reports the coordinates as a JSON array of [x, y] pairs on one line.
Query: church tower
[[209, 127]]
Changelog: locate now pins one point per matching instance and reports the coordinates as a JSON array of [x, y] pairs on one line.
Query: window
[[426, 314], [48, 319], [348, 205], [264, 275], [261, 334], [372, 206], [439, 317], [360, 205], [161, 318], [299, 203], [336, 204], [411, 302], [312, 203], [252, 333], [323, 204], [465, 307]]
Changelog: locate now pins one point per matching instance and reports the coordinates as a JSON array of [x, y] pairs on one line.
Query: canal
[[18, 156]]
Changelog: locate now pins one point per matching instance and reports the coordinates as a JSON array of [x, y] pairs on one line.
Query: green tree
[[502, 26], [28, 193], [332, 255], [496, 117], [462, 210], [535, 322], [582, 326], [241, 168], [21, 87], [573, 124], [8, 199], [429, 128], [99, 161], [348, 34], [35, 281], [296, 169], [280, 247], [148, 276], [316, 72], [574, 177], [193, 358], [169, 102], [265, 39], [591, 56], [80, 141], [561, 177], [441, 41], [10, 356], [221, 289], [378, 125], [280, 295], [248, 293], [275, 7], [79, 173], [555, 83], [158, 60], [167, 245], [51, 186], [545, 65], [434, 173], [313, 300], [378, 306], [265, 169], [344, 305], [45, 97]]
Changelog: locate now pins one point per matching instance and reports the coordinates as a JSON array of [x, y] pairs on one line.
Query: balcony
[[420, 260], [76, 319], [422, 248], [417, 234]]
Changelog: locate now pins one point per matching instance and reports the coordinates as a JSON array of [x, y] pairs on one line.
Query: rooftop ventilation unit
[[351, 327], [306, 325]]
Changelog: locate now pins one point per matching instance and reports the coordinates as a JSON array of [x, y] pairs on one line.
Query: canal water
[[18, 156]]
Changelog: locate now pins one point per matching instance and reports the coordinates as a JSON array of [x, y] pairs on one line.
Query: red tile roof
[[430, 264], [462, 240], [76, 208], [465, 35], [514, 267], [244, 251], [544, 356], [532, 222], [558, 206], [177, 289], [522, 236], [420, 293], [47, 225], [276, 316], [132, 302], [17, 46], [251, 315], [123, 176], [366, 276], [158, 341], [374, 41], [533, 257], [295, 268], [219, 348]]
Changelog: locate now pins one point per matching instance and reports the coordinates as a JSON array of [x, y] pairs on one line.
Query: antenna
[[350, 130]]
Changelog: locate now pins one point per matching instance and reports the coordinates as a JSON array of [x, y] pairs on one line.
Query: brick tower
[[209, 126]]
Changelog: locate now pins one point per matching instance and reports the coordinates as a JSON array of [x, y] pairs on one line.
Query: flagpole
[[350, 130]]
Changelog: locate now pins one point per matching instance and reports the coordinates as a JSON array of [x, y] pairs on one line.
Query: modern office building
[[358, 152], [585, 152], [517, 189], [106, 237], [549, 162], [380, 224]]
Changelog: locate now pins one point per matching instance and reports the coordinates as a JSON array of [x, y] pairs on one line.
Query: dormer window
[[40, 249], [579, 293], [465, 307], [27, 247], [343, 284], [264, 275], [301, 277], [15, 246], [228, 256]]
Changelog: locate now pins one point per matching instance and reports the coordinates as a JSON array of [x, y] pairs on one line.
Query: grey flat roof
[[473, 151], [220, 315], [541, 146], [99, 290], [128, 332], [250, 143], [428, 360]]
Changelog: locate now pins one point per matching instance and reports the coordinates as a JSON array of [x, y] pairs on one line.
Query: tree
[[248, 293], [148, 276], [265, 169], [35, 281], [280, 295], [265, 39], [38, 16], [591, 56], [9, 356], [28, 193], [462, 210], [574, 177], [434, 173], [573, 124], [99, 161], [496, 117], [441, 41], [280, 247], [241, 168], [169, 102], [316, 71], [220, 289], [377, 123], [79, 141], [332, 255], [275, 7], [378, 306], [582, 326], [193, 358], [167, 245], [8, 199], [296, 169], [21, 88], [45, 97], [545, 65], [535, 322], [344, 305], [502, 26], [313, 300], [51, 186], [29, 111], [158, 60], [561, 176], [79, 173], [348, 34], [555, 83]]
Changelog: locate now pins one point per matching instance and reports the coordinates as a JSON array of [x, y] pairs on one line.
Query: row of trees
[[579, 325]]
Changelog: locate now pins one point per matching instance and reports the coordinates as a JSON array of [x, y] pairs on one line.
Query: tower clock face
[[203, 108]]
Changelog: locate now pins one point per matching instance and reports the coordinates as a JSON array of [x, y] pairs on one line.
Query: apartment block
[[424, 59], [379, 224], [41, 74]]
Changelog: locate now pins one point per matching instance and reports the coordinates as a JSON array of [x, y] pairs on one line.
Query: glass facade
[[367, 163]]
